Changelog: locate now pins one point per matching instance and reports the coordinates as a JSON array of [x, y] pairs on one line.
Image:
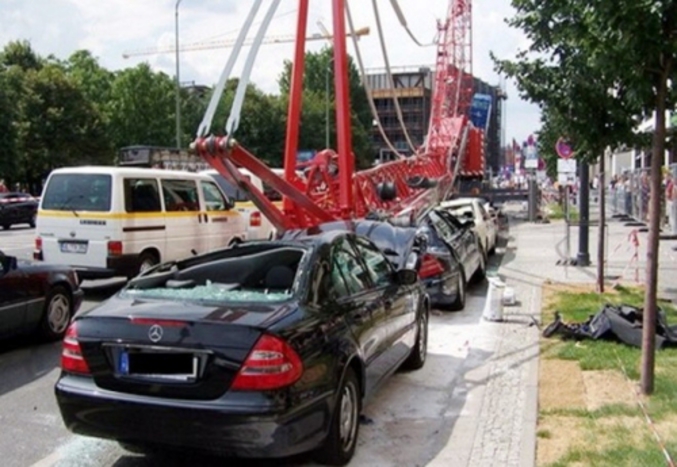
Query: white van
[[117, 221], [258, 226]]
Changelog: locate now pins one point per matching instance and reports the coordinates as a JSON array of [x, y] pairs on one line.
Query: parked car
[[36, 298], [265, 349], [453, 258], [444, 252], [17, 208], [472, 209]]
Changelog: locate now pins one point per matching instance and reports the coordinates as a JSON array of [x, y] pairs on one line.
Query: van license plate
[[73, 247]]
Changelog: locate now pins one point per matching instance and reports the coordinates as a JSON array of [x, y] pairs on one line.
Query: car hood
[[244, 314]]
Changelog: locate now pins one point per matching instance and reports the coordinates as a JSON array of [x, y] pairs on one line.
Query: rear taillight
[[114, 248], [255, 219], [37, 252], [430, 267], [272, 364], [72, 360]]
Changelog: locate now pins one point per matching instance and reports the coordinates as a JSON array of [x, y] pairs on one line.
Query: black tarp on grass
[[622, 323]]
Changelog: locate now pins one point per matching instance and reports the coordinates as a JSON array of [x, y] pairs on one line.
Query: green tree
[[319, 69], [58, 126], [20, 54], [606, 63], [9, 156], [142, 108], [261, 129]]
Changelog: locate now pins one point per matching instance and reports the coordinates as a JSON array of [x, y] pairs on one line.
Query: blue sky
[[110, 27]]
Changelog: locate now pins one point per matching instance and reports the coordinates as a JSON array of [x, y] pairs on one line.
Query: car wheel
[[459, 303], [339, 446], [481, 271], [416, 359], [6, 226], [57, 312], [31, 222]]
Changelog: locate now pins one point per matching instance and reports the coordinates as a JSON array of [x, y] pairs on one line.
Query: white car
[[474, 209]]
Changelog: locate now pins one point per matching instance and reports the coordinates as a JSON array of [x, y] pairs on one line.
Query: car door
[[184, 221], [463, 242], [364, 310], [401, 315], [219, 233], [12, 297]]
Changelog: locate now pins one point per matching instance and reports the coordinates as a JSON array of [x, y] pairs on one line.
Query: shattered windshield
[[266, 276], [209, 292]]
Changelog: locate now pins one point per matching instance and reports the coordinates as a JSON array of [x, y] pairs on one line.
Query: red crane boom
[[332, 190]]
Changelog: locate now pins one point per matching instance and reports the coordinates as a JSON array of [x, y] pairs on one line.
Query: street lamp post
[[178, 81]]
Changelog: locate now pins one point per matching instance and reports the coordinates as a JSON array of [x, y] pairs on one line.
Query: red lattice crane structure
[[332, 190]]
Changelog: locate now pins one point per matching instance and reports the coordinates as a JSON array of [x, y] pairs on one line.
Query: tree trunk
[[602, 225], [649, 321]]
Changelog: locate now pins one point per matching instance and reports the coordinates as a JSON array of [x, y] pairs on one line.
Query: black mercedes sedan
[[36, 298], [265, 349], [445, 253], [17, 208]]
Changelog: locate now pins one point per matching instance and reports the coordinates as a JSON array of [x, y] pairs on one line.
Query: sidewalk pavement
[[497, 425]]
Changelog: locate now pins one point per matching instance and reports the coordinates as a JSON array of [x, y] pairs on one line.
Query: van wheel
[[147, 260]]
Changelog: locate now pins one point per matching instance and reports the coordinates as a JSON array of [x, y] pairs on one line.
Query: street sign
[[563, 149], [530, 153], [566, 166]]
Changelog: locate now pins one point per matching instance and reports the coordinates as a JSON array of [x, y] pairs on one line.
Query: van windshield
[[231, 191], [78, 192]]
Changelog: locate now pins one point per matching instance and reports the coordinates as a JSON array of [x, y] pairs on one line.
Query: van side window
[[142, 195], [214, 200], [180, 195]]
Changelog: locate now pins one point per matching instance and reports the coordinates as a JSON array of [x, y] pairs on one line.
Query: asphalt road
[[408, 423]]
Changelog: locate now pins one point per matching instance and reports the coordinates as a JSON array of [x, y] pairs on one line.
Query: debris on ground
[[622, 323]]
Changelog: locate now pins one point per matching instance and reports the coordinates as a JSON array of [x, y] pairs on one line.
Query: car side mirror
[[406, 277]]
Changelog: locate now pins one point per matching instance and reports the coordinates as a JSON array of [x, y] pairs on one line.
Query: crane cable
[[367, 88], [206, 124], [389, 74], [403, 22], [236, 109]]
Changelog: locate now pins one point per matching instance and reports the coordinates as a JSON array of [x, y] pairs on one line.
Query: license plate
[[171, 365], [73, 247]]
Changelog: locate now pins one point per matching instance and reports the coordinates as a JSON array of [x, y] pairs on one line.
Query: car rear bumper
[[123, 265], [216, 426], [440, 293]]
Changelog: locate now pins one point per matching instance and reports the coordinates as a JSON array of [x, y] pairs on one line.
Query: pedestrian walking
[[671, 203]]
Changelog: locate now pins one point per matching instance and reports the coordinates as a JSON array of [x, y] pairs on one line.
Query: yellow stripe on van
[[250, 204], [131, 215]]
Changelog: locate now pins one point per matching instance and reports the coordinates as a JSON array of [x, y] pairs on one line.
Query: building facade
[[413, 87]]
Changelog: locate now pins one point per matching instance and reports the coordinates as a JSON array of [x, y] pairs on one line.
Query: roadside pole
[[602, 226], [583, 258]]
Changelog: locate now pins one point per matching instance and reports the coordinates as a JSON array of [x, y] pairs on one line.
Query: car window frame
[[227, 203], [369, 245]]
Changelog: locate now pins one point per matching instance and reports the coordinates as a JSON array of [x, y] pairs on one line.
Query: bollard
[[493, 306]]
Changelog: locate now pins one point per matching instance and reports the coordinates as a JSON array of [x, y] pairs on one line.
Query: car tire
[[6, 226], [416, 358], [459, 303], [339, 446], [56, 314], [481, 271], [31, 222]]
